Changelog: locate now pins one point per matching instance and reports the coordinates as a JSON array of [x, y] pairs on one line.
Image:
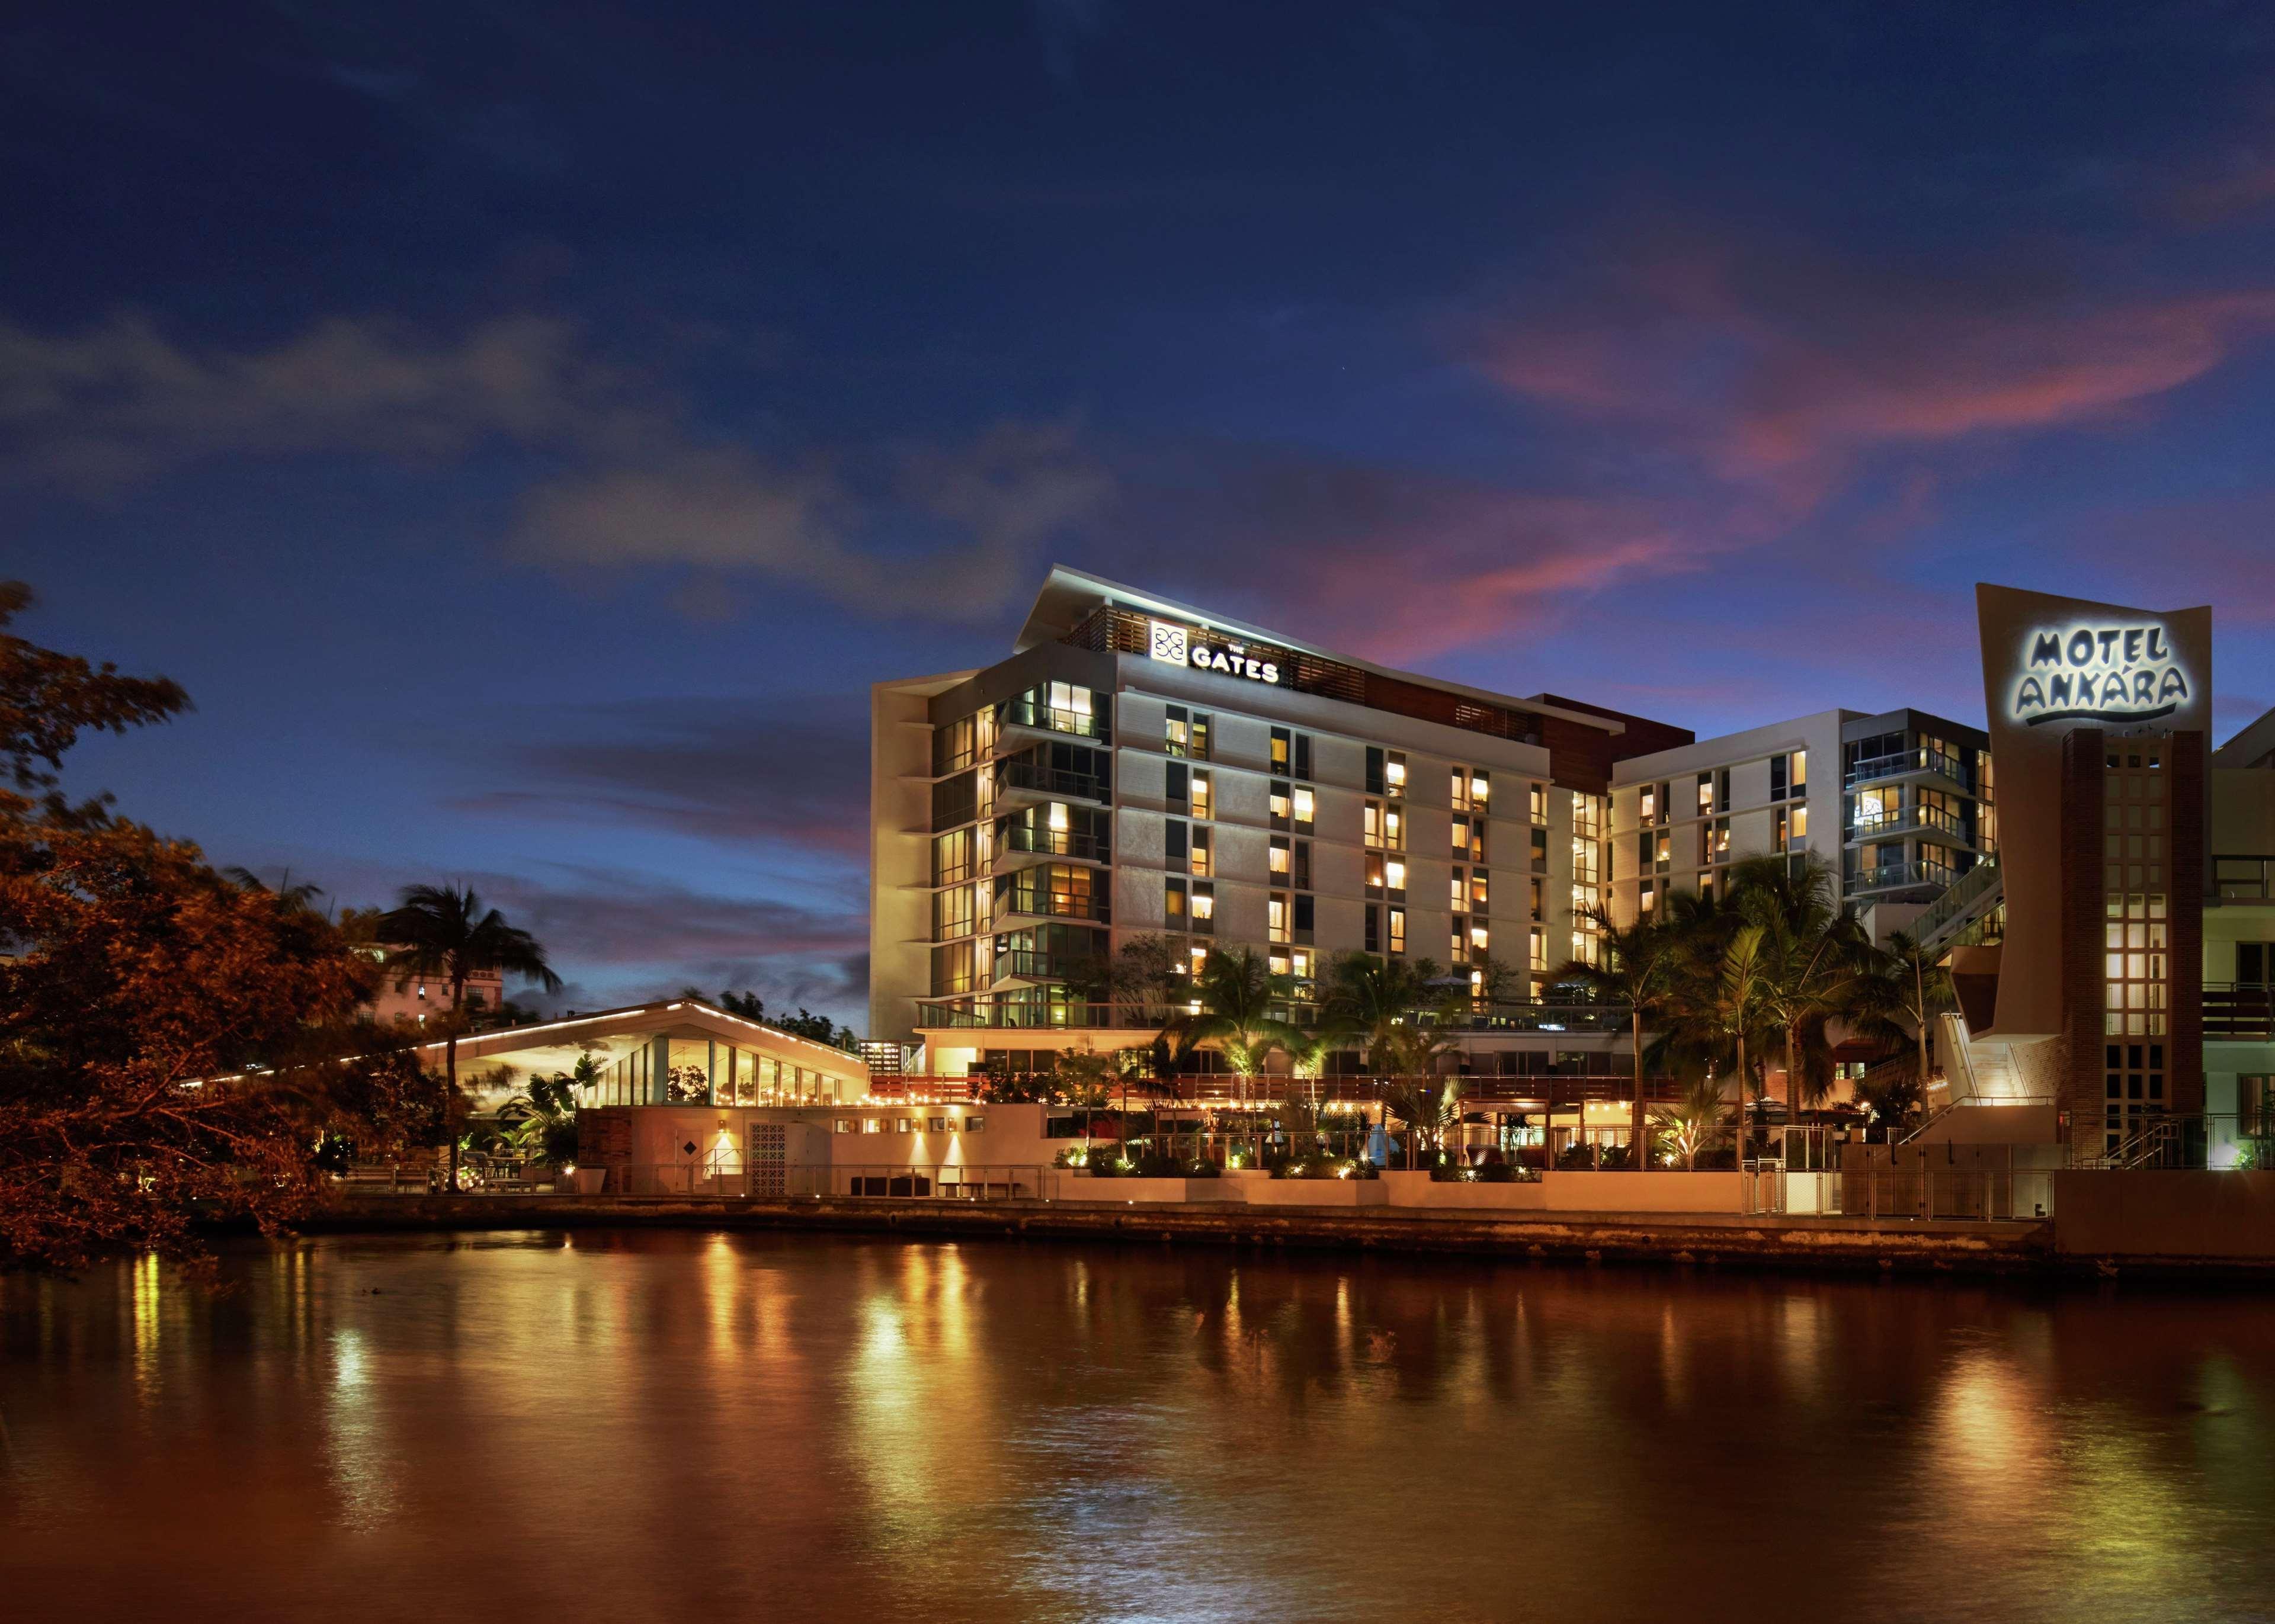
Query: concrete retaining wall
[[1317, 1192], [1420, 1189], [2227, 1217], [1640, 1192]]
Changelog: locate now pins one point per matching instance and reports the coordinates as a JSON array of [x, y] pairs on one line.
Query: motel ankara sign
[[2098, 672]]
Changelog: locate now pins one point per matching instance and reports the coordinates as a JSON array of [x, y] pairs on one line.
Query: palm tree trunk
[[1919, 1006], [1638, 1146], [450, 1082], [1792, 1081], [1739, 1142]]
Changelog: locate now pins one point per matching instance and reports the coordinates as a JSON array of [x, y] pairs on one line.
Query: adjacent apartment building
[[1143, 766]]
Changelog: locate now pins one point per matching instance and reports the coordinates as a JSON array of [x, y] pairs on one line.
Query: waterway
[[689, 1426]]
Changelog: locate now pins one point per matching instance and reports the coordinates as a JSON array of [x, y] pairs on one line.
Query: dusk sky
[[527, 436]]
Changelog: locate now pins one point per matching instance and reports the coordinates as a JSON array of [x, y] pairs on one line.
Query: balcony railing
[[2244, 880], [2238, 1009], [1035, 964], [1053, 719], [1902, 820], [1920, 758], [1050, 780], [1055, 904], [1898, 876], [1056, 842]]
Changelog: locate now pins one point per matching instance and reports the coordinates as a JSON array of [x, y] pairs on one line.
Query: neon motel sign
[[1173, 644], [2099, 673]]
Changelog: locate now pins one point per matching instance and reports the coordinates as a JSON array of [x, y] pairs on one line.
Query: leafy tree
[[174, 1044], [443, 932]]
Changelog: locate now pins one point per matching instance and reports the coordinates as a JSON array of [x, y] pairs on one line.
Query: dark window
[[1304, 915], [1303, 868], [1302, 755], [1373, 770], [1175, 845], [1177, 792], [1375, 930]]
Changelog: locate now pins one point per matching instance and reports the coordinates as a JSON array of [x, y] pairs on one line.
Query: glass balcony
[[1907, 820], [1055, 842], [1904, 763], [1039, 780], [1053, 719]]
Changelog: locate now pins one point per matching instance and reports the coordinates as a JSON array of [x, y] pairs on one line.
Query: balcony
[[1024, 839], [2239, 1010], [1055, 905], [985, 1013], [1931, 822], [1052, 718], [1035, 964], [1031, 778], [1919, 760], [1924, 876], [2244, 880]]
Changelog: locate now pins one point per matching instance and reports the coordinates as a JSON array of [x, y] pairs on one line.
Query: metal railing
[[1057, 718], [1042, 904], [1949, 913], [2174, 1142], [1920, 758], [1893, 876], [1021, 837], [1896, 819], [2238, 1009], [1980, 1194], [1041, 780]]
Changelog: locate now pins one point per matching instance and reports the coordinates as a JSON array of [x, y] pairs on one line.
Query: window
[[1302, 755], [1714, 842], [1398, 930], [1374, 775], [1458, 788], [1540, 853], [1371, 823], [974, 1124], [2255, 962], [1201, 720], [1283, 755], [1480, 788], [1789, 776], [1303, 924], [1536, 797], [1282, 804], [1303, 865], [1394, 828], [1201, 851], [1705, 795], [1173, 905], [1176, 843], [1204, 906], [1790, 831], [1201, 795], [1276, 913], [1646, 897], [1469, 837], [1176, 789], [1374, 874], [1460, 891], [1395, 876], [1178, 732], [1303, 808], [1280, 858], [1654, 806], [1537, 949], [1478, 889], [1394, 773]]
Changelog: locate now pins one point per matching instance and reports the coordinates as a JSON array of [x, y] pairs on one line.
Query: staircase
[[1971, 896]]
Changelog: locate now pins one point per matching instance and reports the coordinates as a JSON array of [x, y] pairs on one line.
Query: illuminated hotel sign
[[2099, 673], [1173, 644]]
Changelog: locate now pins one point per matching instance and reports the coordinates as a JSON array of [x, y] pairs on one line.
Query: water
[[692, 1426]]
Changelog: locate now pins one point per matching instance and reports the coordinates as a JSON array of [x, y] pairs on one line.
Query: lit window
[[1279, 857], [1374, 823], [1395, 874], [1200, 794], [1393, 774], [1394, 828], [1398, 930], [1204, 902], [1461, 892], [1276, 916], [1304, 801], [1480, 788]]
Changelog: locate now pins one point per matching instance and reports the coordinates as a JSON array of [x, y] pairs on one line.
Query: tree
[[1817, 962], [1239, 993], [174, 1044], [1634, 965], [1909, 988], [1692, 1124], [1722, 1004], [444, 932]]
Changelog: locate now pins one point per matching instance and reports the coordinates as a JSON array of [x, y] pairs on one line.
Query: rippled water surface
[[694, 1426]]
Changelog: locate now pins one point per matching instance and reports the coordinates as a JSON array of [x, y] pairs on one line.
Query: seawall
[[1814, 1244]]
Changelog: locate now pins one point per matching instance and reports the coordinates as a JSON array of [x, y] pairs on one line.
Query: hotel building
[[2106, 900], [1898, 805], [1141, 766]]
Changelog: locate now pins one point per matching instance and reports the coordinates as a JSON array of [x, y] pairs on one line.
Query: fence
[[1983, 1195]]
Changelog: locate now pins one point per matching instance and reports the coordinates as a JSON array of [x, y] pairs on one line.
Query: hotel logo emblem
[[1168, 642]]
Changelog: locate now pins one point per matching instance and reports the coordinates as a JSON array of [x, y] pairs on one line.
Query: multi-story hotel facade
[[2106, 900], [1139, 766]]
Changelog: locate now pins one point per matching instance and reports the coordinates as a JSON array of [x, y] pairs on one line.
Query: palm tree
[[1818, 962], [1634, 965], [444, 932], [1397, 1011], [1239, 994], [1916, 987], [1727, 1004], [1692, 1124]]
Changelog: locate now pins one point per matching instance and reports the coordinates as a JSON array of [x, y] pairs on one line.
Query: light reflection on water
[[675, 1425]]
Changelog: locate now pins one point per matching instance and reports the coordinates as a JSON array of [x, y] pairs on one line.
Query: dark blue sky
[[527, 433]]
